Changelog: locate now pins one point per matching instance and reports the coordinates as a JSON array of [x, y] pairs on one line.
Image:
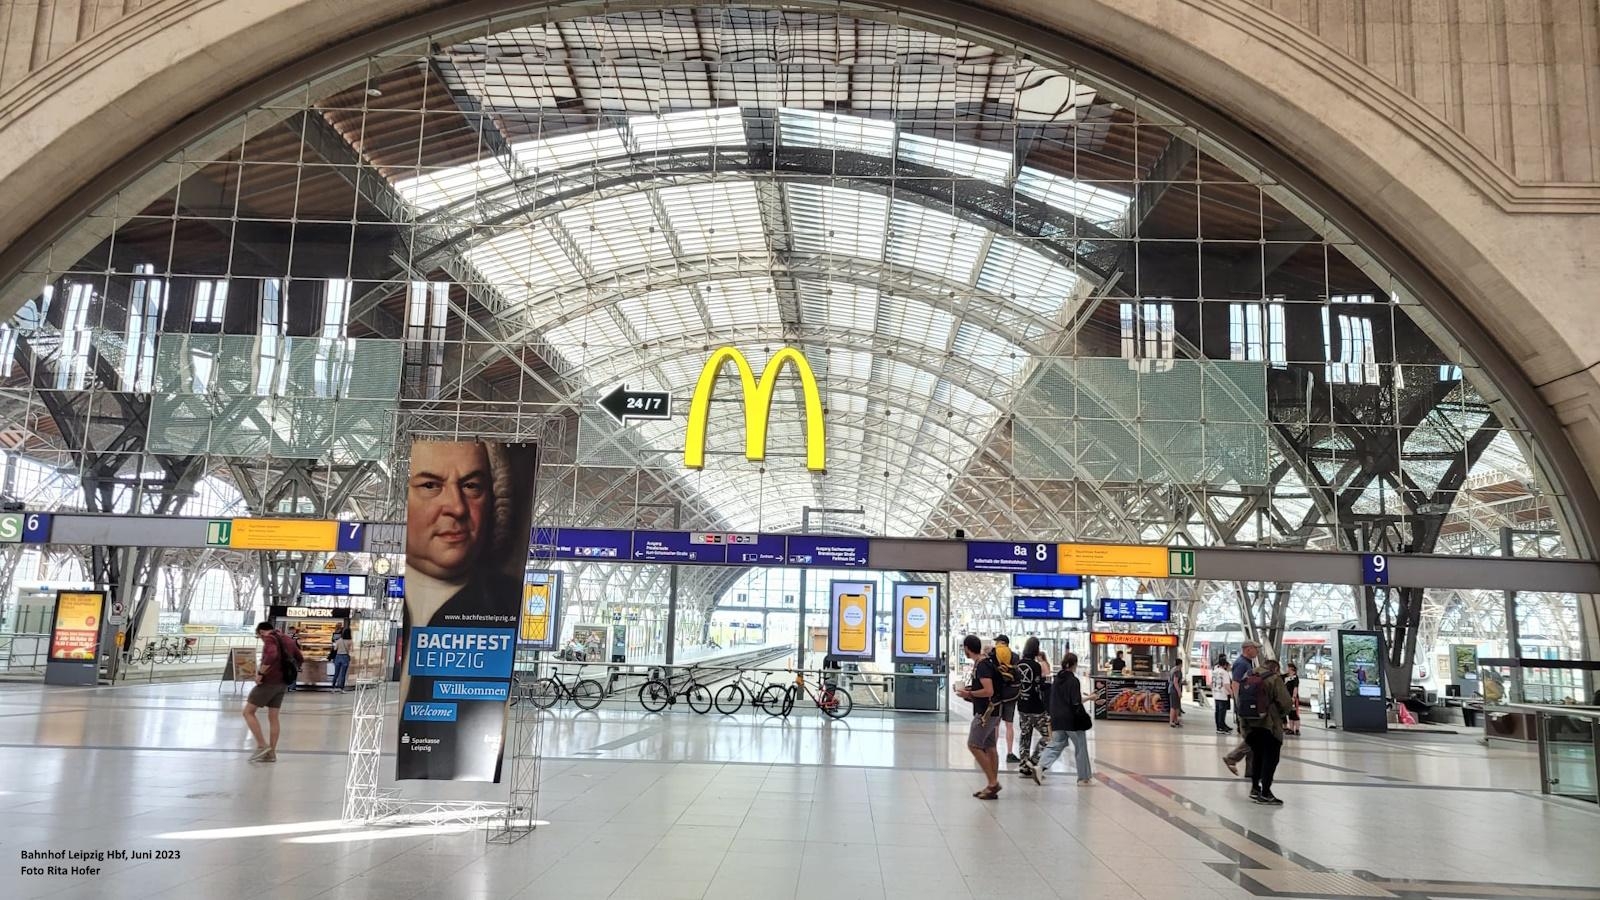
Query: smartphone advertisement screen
[[850, 630], [916, 616]]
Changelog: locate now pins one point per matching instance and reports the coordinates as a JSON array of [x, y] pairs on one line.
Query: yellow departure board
[[284, 534], [1112, 559]]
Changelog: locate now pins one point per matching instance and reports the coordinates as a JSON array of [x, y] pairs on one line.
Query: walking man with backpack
[[1032, 670], [1263, 706], [280, 666], [984, 732], [1242, 667]]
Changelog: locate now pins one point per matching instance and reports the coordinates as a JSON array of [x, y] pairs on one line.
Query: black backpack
[[291, 672], [1252, 702], [1008, 683]]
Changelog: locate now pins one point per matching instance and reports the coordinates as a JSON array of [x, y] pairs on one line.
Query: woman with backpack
[[1070, 721], [1031, 699]]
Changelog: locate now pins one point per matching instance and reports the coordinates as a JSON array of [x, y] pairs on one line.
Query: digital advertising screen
[[916, 616], [1359, 658], [76, 635], [850, 631], [541, 606]]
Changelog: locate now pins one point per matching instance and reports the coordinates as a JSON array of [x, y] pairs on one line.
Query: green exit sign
[[1180, 563]]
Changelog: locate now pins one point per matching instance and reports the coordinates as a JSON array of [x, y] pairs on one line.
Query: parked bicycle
[[657, 694], [731, 697], [834, 701], [585, 693]]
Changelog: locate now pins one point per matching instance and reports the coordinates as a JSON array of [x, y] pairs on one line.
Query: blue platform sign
[[678, 547], [1031, 581], [397, 587], [756, 549], [352, 537], [1374, 568], [828, 552], [36, 528], [1024, 606], [1115, 610], [584, 543], [1010, 556]]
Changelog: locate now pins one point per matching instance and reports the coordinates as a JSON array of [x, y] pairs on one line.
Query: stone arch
[[87, 100]]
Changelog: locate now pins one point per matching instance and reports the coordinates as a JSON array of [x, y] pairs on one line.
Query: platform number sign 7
[[352, 537], [1374, 568]]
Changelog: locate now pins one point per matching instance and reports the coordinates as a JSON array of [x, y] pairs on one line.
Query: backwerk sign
[[757, 396], [469, 511]]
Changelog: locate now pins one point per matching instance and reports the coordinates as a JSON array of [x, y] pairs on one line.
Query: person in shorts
[[278, 653], [984, 732], [1008, 708]]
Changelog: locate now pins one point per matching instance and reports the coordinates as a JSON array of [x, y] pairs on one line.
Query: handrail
[[1557, 709]]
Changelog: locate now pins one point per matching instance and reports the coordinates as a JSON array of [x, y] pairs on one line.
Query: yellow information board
[[284, 534], [852, 623], [1112, 559], [77, 628]]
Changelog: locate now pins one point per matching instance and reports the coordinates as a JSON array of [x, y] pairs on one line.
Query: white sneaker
[[1038, 777], [260, 752]]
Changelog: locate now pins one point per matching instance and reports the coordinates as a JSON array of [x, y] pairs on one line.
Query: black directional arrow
[[622, 404]]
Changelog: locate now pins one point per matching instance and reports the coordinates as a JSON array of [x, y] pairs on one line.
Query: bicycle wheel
[[588, 693], [544, 692], [836, 704], [700, 698], [771, 700], [655, 695], [730, 699], [789, 696]]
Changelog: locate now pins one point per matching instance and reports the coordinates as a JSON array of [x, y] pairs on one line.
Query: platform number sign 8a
[[1374, 568]]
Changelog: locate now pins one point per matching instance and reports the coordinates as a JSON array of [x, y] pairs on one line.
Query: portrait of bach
[[468, 517], [469, 514]]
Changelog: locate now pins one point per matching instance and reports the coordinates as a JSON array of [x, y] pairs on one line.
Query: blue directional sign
[[1114, 610], [327, 584], [1009, 556], [679, 547], [584, 543], [1374, 568], [397, 587], [827, 551], [756, 549], [1025, 606], [1040, 582]]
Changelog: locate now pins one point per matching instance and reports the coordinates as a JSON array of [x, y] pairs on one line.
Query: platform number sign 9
[[1374, 568]]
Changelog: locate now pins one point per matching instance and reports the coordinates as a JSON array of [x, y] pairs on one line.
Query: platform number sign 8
[[1374, 568]]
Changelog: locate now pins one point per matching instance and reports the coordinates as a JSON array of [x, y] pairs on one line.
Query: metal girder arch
[[964, 303], [991, 206], [905, 353]]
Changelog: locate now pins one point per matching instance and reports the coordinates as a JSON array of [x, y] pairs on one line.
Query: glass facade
[[1035, 307]]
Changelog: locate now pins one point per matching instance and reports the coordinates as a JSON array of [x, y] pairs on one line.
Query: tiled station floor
[[748, 807]]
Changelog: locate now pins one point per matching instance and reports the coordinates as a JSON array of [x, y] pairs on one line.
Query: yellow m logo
[[757, 406]]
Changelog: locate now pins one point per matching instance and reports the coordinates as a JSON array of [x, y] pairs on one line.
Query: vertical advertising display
[[916, 621], [1464, 668], [1358, 662], [850, 631], [469, 515], [541, 606], [75, 638], [76, 634]]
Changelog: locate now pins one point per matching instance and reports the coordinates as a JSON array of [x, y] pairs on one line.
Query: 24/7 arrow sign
[[623, 404]]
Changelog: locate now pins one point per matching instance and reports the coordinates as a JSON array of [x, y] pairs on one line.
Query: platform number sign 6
[[1374, 568]]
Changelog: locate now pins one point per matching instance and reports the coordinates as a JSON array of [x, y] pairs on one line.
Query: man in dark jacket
[[1264, 732], [1070, 721]]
